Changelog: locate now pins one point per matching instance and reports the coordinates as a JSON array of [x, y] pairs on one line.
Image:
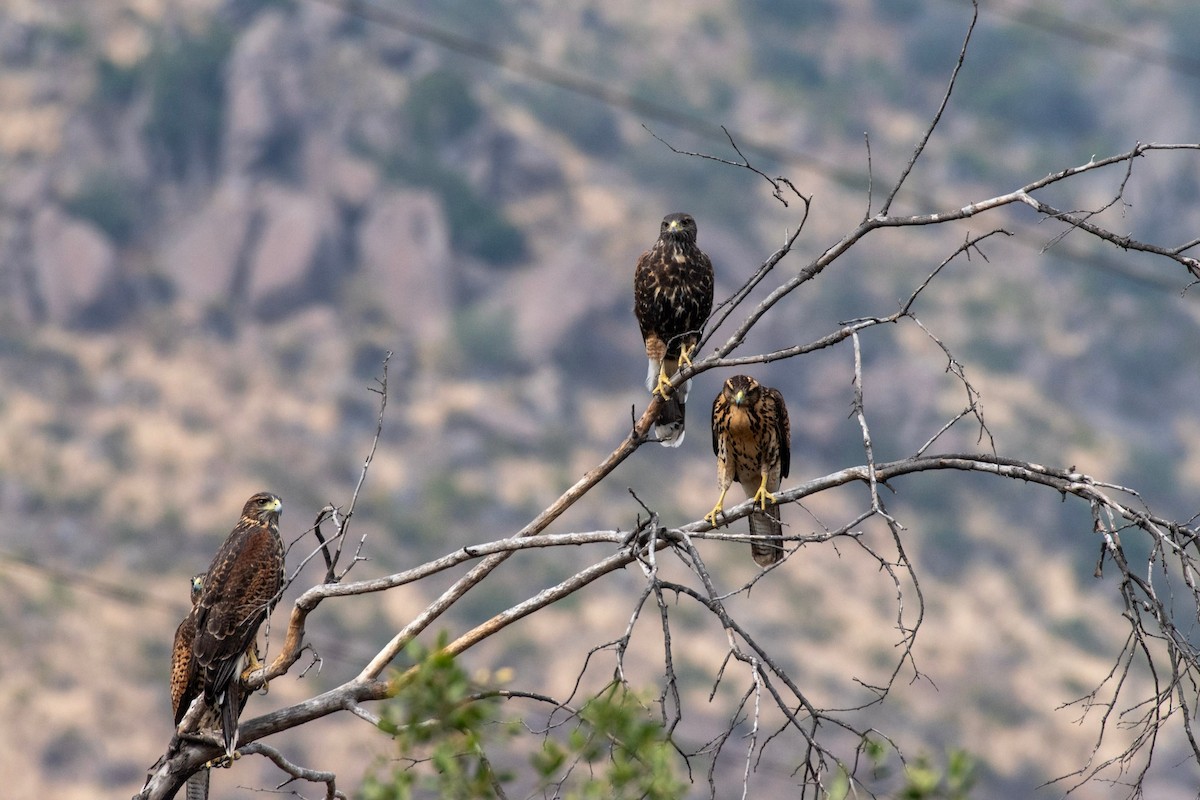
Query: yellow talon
[[711, 517], [253, 664], [762, 496], [663, 389], [222, 762], [685, 355]]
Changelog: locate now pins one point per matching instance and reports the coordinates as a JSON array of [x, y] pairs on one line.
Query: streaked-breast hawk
[[183, 666], [184, 681], [240, 589], [672, 298], [752, 441]]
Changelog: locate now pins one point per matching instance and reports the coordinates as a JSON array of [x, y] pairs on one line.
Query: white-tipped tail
[[670, 435], [668, 428]]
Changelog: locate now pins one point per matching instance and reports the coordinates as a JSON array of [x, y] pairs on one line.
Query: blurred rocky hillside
[[217, 216]]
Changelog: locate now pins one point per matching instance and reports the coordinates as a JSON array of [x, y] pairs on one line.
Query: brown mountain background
[[217, 216]]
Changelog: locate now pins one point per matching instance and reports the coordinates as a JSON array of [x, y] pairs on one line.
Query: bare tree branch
[[186, 756], [295, 770]]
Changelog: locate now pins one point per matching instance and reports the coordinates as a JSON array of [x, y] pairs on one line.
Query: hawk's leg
[[711, 517], [762, 496], [222, 761], [253, 664], [685, 354], [663, 389], [664, 381]]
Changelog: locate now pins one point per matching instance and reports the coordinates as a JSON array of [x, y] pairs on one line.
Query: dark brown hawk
[[672, 298], [240, 589], [752, 441]]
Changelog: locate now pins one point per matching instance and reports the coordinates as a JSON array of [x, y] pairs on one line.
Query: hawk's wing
[[783, 429], [772, 442], [720, 422]]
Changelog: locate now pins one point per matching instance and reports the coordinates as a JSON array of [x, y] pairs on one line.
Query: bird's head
[[197, 587], [678, 226], [262, 505], [741, 389]]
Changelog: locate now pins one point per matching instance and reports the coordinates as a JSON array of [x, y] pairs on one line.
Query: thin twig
[[920, 148]]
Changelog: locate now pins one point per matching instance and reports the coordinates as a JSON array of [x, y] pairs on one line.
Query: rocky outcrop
[[304, 191], [266, 93], [202, 261], [295, 227], [405, 252], [76, 265]]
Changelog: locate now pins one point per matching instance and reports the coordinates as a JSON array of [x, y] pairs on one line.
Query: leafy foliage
[[589, 124], [109, 201], [486, 341], [489, 20], [442, 723], [437, 721], [919, 779], [116, 84], [477, 227], [793, 15], [187, 99], [439, 110], [1025, 96], [625, 753], [440, 107]]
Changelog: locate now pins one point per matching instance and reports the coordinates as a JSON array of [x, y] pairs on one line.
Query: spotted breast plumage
[[184, 683], [672, 299], [183, 667], [751, 438]]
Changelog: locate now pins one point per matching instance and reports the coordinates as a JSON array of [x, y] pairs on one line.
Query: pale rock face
[[258, 243], [203, 260], [75, 263], [292, 229], [352, 181], [405, 249], [266, 92]]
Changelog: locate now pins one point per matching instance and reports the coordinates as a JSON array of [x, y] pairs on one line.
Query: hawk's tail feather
[[668, 428], [197, 785], [768, 550], [231, 709]]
